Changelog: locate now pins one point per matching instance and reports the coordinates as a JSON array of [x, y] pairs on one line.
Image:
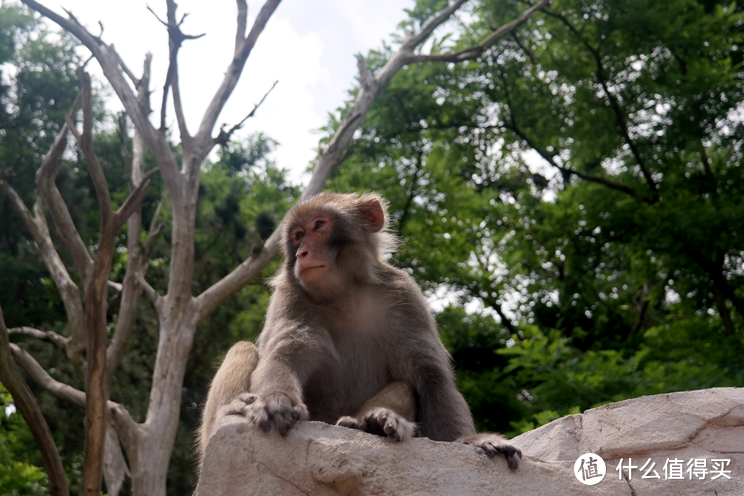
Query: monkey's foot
[[238, 406], [493, 444], [352, 423], [382, 422], [276, 409]]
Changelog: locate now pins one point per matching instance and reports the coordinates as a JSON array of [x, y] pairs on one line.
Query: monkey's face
[[316, 254]]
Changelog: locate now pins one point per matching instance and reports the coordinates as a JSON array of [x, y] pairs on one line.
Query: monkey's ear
[[374, 216]]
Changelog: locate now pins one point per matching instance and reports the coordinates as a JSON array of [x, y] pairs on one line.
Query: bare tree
[[148, 445]]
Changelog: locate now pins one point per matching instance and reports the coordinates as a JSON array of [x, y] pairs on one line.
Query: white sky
[[308, 46]]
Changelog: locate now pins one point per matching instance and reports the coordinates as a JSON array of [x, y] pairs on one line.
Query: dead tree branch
[[175, 38], [29, 408], [133, 201], [125, 424], [95, 298], [224, 137], [150, 291], [46, 187], [113, 69], [478, 50], [43, 379], [70, 293], [138, 256], [49, 336], [242, 23], [203, 141]]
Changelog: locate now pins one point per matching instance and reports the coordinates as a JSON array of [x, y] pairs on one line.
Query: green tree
[[19, 460], [577, 190]]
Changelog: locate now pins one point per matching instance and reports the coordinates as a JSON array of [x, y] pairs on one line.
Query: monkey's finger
[[391, 427], [507, 450], [247, 398], [284, 422], [399, 428], [300, 412], [511, 453], [264, 424], [303, 413], [351, 423], [489, 449], [262, 418], [283, 427], [379, 416]]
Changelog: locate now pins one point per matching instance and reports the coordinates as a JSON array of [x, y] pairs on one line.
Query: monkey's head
[[332, 241]]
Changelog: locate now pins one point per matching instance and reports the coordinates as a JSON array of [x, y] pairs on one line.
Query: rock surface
[[320, 459]]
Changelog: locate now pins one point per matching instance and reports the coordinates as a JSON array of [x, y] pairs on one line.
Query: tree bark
[[96, 305]]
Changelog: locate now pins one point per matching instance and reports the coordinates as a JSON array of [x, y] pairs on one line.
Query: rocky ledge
[[688, 443]]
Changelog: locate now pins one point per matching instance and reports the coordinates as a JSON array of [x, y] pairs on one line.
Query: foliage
[[19, 460]]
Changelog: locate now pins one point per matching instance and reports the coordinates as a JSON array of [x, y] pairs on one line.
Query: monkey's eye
[[319, 223], [298, 235]]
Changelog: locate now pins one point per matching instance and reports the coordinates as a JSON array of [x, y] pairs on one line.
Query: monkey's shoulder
[[401, 286], [397, 279]]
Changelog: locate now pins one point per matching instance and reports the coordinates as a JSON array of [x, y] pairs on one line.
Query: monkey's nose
[[301, 253]]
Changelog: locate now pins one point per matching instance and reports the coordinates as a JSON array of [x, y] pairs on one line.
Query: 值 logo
[[590, 469]]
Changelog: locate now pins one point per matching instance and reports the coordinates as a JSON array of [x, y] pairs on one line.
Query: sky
[[308, 47]]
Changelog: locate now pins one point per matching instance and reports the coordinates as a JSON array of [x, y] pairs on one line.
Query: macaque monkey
[[348, 339]]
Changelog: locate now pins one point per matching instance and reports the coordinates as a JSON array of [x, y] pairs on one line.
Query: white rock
[[320, 459]]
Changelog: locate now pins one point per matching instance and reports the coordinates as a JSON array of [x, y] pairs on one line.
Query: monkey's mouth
[[305, 269]]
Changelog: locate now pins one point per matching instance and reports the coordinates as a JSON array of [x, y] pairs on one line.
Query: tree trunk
[[149, 466]]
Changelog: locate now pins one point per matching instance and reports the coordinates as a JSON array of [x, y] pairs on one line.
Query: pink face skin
[[315, 265]]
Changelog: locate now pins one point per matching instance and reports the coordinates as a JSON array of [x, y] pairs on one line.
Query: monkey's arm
[[443, 413], [420, 358], [289, 353], [445, 416]]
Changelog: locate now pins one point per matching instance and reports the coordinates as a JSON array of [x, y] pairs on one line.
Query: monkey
[[348, 339]]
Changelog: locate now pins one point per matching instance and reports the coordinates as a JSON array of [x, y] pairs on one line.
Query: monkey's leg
[[391, 412], [231, 380]]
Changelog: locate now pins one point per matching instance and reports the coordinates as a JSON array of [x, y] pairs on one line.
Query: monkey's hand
[[382, 422], [276, 409], [493, 444]]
